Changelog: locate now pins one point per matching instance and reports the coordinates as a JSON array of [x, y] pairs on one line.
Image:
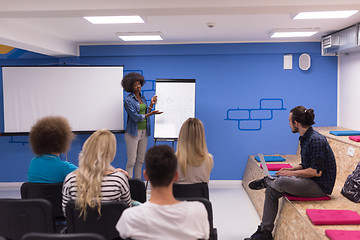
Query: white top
[[184, 220]]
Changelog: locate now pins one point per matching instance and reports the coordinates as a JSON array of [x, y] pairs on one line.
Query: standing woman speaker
[[138, 123]]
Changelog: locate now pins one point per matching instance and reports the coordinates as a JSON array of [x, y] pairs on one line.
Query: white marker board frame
[[90, 97], [176, 99]]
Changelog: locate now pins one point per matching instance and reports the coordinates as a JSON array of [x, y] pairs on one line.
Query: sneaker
[[257, 184], [261, 235]]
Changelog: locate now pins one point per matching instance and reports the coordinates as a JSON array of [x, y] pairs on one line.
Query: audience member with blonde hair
[[195, 162], [96, 180], [49, 137]]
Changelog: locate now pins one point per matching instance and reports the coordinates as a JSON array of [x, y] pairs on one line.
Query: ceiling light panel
[[283, 33], [114, 19], [292, 34], [325, 14], [138, 36]]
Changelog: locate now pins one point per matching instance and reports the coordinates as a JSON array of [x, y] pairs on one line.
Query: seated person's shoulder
[[195, 204], [134, 214], [68, 167], [119, 175], [194, 207], [70, 178]]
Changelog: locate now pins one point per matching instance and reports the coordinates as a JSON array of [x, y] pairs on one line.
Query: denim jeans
[[276, 188]]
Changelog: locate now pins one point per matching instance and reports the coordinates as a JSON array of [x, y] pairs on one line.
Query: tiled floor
[[234, 215]]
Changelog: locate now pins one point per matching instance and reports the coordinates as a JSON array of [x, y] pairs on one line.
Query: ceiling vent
[[343, 41], [330, 45]]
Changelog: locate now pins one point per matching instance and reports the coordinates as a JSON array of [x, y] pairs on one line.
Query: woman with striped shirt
[[96, 180]]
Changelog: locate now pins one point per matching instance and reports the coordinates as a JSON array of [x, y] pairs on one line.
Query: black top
[[316, 153]]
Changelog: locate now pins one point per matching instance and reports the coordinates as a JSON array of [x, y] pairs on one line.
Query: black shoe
[[261, 235], [257, 184]]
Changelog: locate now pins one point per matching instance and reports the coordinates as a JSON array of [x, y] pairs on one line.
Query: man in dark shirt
[[313, 177]]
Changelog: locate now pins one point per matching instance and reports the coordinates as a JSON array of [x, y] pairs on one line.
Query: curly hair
[[128, 81], [51, 134]]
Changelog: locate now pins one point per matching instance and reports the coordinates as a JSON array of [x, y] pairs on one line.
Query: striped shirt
[[114, 187]]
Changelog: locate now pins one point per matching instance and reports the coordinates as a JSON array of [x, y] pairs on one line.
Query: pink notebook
[[342, 234], [276, 167], [355, 138], [293, 198], [333, 217]]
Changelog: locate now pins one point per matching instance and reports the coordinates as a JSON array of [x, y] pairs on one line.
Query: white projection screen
[[176, 98], [90, 97]]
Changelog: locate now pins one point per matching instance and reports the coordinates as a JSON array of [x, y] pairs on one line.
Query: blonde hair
[[191, 146], [94, 160]]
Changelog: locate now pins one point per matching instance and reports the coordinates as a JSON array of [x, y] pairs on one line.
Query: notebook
[[265, 168]]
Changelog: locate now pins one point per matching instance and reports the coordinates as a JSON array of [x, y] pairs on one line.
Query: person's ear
[[146, 177], [176, 176], [296, 124]]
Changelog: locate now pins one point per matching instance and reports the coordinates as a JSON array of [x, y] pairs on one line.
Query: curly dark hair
[[128, 81], [161, 165], [51, 134]]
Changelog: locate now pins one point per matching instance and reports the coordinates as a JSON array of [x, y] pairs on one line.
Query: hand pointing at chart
[[153, 101]]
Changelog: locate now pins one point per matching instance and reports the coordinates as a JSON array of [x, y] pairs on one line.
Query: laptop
[[265, 168]]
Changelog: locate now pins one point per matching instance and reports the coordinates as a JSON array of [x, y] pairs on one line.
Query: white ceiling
[[57, 28]]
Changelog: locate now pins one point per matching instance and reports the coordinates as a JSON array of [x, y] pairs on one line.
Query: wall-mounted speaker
[[304, 61], [288, 61]]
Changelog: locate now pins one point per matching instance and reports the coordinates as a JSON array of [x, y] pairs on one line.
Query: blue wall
[[228, 76]]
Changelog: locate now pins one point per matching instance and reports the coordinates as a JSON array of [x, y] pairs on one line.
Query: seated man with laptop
[[313, 177]]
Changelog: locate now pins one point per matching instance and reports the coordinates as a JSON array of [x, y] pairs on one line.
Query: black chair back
[[208, 206], [198, 190], [60, 236], [49, 191], [103, 225], [137, 190], [21, 216]]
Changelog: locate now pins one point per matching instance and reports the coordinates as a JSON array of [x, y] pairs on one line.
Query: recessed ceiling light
[[325, 14], [140, 36], [280, 33], [114, 19]]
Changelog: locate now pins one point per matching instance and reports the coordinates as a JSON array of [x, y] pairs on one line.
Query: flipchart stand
[[172, 140]]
